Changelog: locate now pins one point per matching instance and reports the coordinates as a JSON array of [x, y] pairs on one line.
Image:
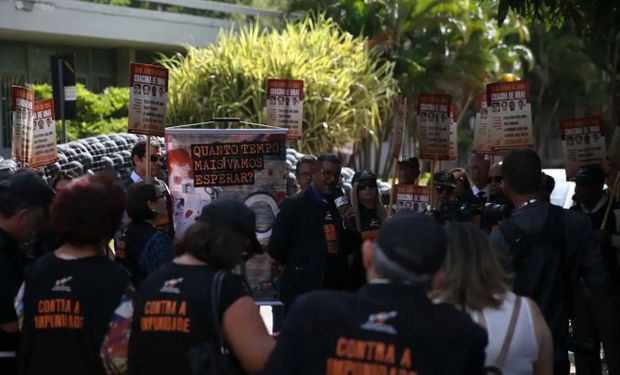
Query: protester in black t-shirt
[[142, 248], [369, 213], [69, 295], [174, 313], [24, 199], [389, 326]]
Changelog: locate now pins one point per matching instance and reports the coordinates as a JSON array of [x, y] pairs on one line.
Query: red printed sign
[[44, 134], [411, 198], [285, 105], [436, 127], [148, 99], [583, 143], [510, 125], [23, 106]]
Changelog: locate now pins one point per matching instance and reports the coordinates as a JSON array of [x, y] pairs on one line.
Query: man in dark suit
[[308, 237]]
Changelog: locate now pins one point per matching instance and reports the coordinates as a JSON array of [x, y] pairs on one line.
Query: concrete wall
[[83, 23]]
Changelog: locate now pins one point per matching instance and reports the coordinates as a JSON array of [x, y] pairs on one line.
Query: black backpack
[[538, 256]]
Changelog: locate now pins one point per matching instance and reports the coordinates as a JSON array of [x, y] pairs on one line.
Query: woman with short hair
[[472, 280], [175, 313], [143, 248], [69, 295]]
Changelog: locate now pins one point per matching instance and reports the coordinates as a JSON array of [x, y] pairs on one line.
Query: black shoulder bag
[[213, 357]]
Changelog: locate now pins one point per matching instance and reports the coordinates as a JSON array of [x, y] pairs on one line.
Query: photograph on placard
[[285, 105], [510, 121], [148, 99], [583, 143], [411, 198], [436, 128], [23, 124], [44, 134]]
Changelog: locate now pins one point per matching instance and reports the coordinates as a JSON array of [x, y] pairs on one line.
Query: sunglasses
[[367, 185], [157, 158], [330, 174], [444, 189], [497, 179]]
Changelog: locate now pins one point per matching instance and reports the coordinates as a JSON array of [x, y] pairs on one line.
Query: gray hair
[[390, 270]]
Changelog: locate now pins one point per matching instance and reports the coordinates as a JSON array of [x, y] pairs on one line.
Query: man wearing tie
[[478, 171]]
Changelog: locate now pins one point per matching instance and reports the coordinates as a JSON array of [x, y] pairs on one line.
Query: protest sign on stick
[[148, 99], [481, 126], [44, 134], [285, 105], [400, 121], [398, 131], [436, 127], [510, 125], [23, 106], [583, 143], [248, 164], [411, 198]]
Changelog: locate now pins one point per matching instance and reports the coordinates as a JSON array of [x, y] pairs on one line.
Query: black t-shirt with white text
[[173, 315], [384, 328], [68, 305]]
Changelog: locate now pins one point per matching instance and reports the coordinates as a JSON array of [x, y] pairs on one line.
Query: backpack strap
[[501, 358]]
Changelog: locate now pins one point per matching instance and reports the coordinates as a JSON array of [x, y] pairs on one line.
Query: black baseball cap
[[364, 175], [412, 162], [235, 215], [590, 174], [414, 241], [444, 178]]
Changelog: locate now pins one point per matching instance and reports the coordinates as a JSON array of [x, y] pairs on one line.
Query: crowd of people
[[95, 281]]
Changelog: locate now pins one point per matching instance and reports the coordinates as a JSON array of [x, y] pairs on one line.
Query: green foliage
[[96, 113], [445, 46], [348, 88]]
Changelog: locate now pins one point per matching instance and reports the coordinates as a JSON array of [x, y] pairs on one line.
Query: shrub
[[348, 89], [96, 113]]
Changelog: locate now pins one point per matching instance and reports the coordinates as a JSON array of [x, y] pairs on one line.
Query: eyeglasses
[[330, 174], [444, 189], [497, 179], [304, 174], [157, 158], [368, 185]]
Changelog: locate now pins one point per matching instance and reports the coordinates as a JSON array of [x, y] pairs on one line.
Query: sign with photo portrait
[[285, 105], [437, 133], [148, 99], [510, 125], [583, 143]]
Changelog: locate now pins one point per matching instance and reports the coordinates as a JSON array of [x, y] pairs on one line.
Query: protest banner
[[436, 127], [481, 127], [205, 164], [583, 143], [400, 121], [23, 106], [411, 198], [148, 99], [285, 105], [44, 134], [510, 124]]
